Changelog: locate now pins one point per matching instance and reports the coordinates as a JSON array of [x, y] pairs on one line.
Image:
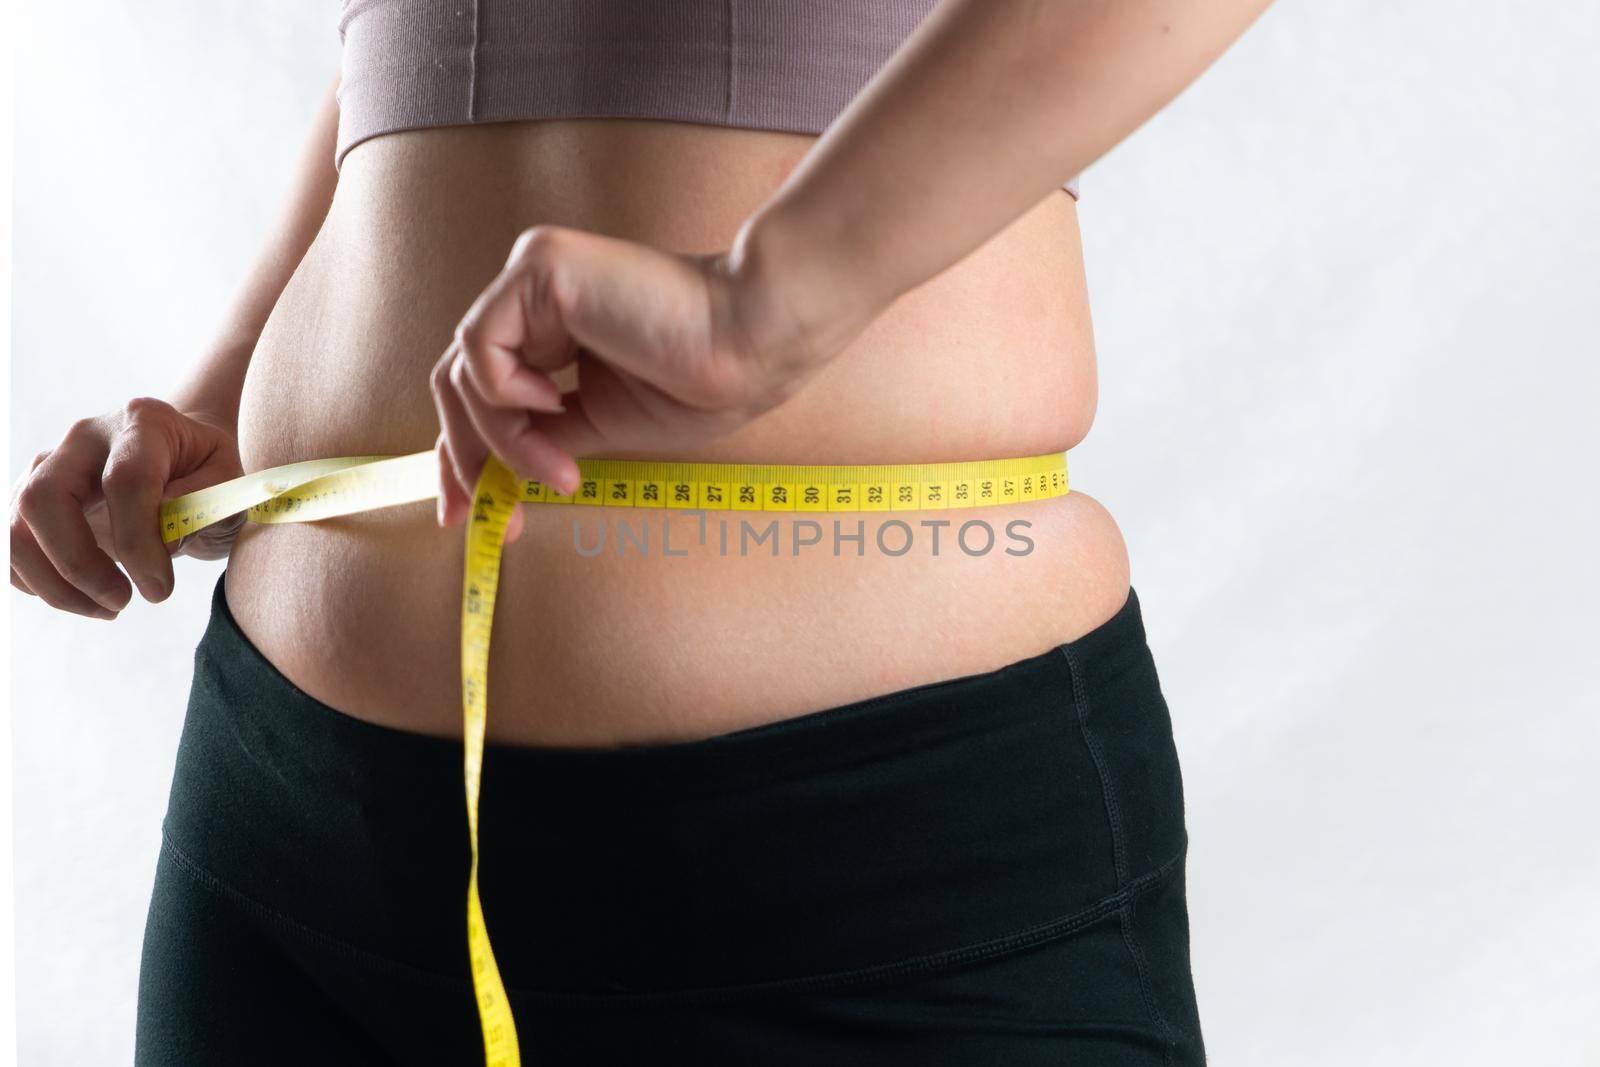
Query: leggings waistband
[[927, 821]]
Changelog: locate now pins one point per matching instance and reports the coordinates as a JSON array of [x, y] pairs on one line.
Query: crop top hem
[[762, 64], [1070, 188]]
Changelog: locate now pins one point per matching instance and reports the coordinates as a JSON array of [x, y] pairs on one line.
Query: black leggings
[[981, 871]]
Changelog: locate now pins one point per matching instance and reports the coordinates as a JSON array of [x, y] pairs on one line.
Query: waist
[[992, 359]]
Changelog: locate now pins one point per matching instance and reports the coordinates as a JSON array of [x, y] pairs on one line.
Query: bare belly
[[993, 358]]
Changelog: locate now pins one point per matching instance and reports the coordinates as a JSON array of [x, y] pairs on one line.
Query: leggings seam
[[211, 883], [1119, 857], [982, 951], [1125, 923], [1016, 941], [1080, 701]]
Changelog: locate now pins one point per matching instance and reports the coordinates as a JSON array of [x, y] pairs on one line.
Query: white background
[[1345, 296]]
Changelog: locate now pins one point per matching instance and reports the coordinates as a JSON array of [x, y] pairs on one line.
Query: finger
[[514, 524], [509, 433], [509, 342], [209, 542], [509, 382], [22, 483], [516, 323], [570, 431], [453, 503], [637, 305], [56, 520], [29, 563], [212, 542], [19, 584], [135, 476], [52, 505], [464, 448]]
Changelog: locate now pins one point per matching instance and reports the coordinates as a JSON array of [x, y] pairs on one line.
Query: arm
[[213, 385], [93, 501], [980, 115]]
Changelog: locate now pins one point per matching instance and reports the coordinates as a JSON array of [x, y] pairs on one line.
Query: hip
[[822, 889], [617, 627]]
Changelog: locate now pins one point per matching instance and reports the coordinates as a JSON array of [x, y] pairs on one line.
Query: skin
[[886, 293]]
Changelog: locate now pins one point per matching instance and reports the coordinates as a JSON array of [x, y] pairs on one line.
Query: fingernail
[[438, 510]]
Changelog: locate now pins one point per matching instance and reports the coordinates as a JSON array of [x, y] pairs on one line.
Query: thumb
[[570, 430]]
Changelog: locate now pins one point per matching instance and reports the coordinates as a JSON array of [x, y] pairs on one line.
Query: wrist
[[790, 301], [210, 392], [220, 413], [208, 410]]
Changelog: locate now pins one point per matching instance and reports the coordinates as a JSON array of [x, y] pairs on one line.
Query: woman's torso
[[993, 358]]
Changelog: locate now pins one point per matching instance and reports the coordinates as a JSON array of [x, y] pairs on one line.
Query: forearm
[[212, 386], [984, 111]]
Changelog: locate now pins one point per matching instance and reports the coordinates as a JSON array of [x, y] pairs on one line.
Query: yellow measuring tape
[[326, 488]]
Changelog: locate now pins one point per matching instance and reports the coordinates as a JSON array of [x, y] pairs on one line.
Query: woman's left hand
[[673, 352]]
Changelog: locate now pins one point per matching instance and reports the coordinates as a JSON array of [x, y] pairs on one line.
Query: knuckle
[[440, 376], [75, 571], [143, 407], [535, 241], [565, 294], [81, 429], [469, 333], [122, 477], [33, 499]]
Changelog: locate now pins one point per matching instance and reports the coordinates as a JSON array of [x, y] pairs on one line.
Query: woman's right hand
[[94, 501]]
